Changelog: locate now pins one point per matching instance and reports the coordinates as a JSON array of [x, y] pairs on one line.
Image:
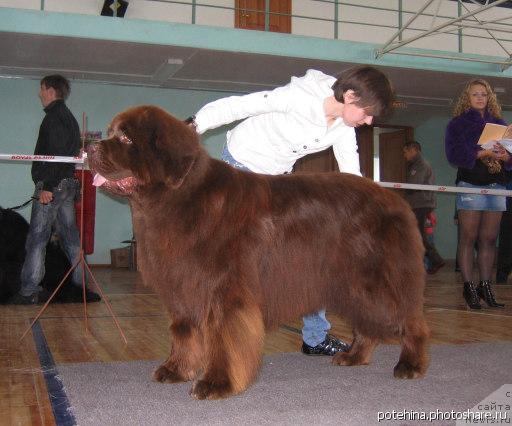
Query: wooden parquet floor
[[24, 396]]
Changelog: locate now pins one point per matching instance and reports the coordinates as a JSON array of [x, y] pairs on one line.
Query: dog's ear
[[178, 171], [178, 146], [166, 149]]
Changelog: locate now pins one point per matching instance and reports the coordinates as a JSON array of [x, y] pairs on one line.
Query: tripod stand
[[80, 260]]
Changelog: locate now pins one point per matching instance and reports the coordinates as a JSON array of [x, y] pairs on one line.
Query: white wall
[[352, 30], [21, 4], [309, 27]]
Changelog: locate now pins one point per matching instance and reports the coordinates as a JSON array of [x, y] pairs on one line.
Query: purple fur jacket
[[462, 134]]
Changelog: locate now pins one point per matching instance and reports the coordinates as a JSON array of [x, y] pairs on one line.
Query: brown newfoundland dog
[[233, 253]]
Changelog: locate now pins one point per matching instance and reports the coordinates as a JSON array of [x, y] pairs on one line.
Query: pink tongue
[[98, 180]]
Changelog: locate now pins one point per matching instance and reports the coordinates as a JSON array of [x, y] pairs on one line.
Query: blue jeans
[[315, 325], [60, 214]]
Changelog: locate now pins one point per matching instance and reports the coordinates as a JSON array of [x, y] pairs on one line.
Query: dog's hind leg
[[413, 362], [234, 352], [184, 361], [360, 352]]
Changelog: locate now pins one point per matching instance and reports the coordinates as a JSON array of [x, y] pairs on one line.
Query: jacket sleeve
[[347, 156], [234, 108], [423, 176], [460, 150]]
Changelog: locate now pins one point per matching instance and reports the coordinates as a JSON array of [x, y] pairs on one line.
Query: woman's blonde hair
[[463, 103]]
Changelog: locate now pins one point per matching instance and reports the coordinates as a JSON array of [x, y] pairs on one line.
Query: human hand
[[45, 197], [487, 154], [501, 153], [191, 122]]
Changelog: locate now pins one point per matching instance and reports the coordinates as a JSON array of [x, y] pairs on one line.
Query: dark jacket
[[59, 135], [461, 138], [420, 172]]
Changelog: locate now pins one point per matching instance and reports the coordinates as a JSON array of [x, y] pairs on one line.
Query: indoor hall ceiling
[[127, 63]]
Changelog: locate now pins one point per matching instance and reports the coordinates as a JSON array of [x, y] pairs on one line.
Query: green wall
[[21, 114]]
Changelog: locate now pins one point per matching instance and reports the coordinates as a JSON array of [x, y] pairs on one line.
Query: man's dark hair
[[59, 83], [413, 144], [371, 87]]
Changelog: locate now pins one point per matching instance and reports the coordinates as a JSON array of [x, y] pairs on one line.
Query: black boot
[[485, 292], [471, 295]]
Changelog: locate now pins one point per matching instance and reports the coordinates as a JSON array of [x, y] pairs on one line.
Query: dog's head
[[146, 147]]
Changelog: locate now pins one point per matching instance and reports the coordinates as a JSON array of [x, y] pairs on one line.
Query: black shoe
[[91, 296], [485, 292], [471, 295], [19, 299], [330, 346], [43, 296], [74, 294], [38, 298]]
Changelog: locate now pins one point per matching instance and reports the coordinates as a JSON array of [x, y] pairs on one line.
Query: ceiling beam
[[392, 44]]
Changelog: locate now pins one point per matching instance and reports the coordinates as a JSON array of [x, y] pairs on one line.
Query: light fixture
[[167, 69]]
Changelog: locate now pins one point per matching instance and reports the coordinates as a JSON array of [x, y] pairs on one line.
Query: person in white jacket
[[309, 114]]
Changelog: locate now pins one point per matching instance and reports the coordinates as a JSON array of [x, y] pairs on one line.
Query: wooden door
[[364, 136], [250, 14], [391, 159], [392, 162], [325, 161]]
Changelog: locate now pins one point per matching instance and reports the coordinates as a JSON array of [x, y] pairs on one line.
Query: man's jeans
[[315, 325], [59, 213]]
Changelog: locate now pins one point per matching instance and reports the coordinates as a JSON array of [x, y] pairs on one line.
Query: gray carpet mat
[[294, 389]]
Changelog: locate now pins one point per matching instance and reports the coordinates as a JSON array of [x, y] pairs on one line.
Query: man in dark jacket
[[422, 202], [55, 192]]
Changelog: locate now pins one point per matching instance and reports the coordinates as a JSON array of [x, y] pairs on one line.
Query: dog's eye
[[125, 139]]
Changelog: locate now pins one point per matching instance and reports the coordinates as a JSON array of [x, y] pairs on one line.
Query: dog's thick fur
[[233, 253]]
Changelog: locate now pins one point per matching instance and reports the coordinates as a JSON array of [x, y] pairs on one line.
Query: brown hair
[[59, 83], [464, 103], [371, 87]]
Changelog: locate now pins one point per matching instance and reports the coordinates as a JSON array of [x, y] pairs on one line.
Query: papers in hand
[[496, 133], [505, 143]]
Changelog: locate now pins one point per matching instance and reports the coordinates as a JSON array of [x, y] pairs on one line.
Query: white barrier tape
[[46, 158], [396, 185]]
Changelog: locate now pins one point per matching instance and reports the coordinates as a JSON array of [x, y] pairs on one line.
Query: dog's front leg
[[234, 340], [184, 362]]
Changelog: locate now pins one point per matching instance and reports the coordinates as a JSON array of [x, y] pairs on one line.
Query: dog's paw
[[404, 370], [163, 375], [203, 389], [348, 359]]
